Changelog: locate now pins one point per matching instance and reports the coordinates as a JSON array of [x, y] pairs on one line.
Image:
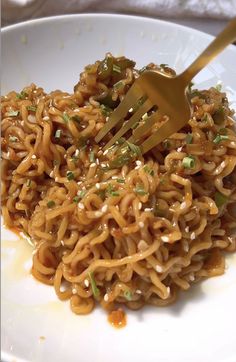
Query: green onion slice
[[188, 162], [95, 290]]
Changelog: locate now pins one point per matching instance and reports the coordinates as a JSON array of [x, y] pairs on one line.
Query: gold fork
[[166, 92]]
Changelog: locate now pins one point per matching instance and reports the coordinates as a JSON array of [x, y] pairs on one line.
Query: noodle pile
[[134, 234]]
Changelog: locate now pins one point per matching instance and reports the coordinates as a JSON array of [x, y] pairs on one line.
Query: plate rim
[[37, 21]]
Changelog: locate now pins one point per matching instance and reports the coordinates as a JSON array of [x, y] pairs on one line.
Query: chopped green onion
[[95, 290], [111, 191], [140, 190], [21, 95], [220, 138], [81, 194], [58, 133], [51, 204], [91, 156], [119, 85], [121, 140], [74, 159], [163, 65], [105, 68], [134, 148], [65, 117], [70, 175], [12, 113], [191, 84], [76, 118], [189, 138], [32, 108], [101, 194], [188, 162], [116, 68], [13, 139], [166, 144], [218, 87], [223, 131], [148, 170], [28, 183], [128, 295], [220, 199], [120, 180], [76, 199], [106, 111], [143, 69]]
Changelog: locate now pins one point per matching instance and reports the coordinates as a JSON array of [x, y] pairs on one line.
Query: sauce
[[117, 318]]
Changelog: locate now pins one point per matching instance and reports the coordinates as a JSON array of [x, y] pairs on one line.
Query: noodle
[[134, 233]]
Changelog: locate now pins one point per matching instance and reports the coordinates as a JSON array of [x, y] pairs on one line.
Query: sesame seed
[[74, 291], [76, 153], [131, 110], [81, 205], [97, 161], [137, 167], [107, 119], [138, 291], [168, 290], [230, 239], [191, 277], [56, 179], [100, 153], [159, 269], [86, 282], [147, 209], [141, 224], [138, 163], [114, 177], [33, 157], [98, 186], [117, 207], [183, 205], [142, 245], [105, 152], [140, 205], [83, 188], [186, 246], [46, 118], [106, 297], [193, 236], [62, 243], [187, 229], [65, 156], [98, 213], [179, 149], [103, 164], [223, 164], [93, 164], [165, 238], [79, 182], [104, 208], [51, 174]]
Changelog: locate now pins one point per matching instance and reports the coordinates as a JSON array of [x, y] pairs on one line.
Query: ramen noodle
[[116, 227]]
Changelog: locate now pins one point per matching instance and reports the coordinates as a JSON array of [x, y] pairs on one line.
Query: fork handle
[[227, 36]]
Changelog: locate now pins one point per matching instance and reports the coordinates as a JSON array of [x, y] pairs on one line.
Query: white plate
[[201, 325]]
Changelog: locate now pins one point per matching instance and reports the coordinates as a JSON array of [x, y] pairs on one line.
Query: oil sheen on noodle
[[132, 233]]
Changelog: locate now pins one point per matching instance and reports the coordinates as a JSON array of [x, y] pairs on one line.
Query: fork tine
[[141, 130], [167, 129], [145, 107], [131, 98]]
